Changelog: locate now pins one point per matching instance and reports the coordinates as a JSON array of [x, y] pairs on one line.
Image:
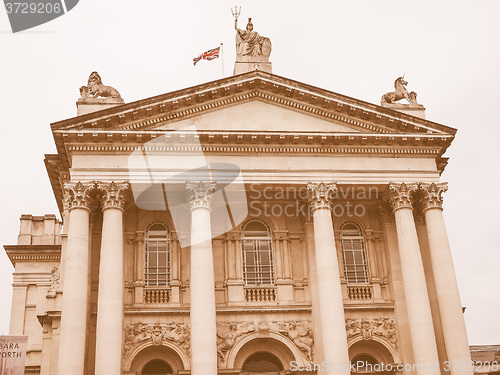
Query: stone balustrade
[[360, 292], [157, 295], [260, 294]]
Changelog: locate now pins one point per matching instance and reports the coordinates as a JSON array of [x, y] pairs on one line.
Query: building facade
[[249, 225]]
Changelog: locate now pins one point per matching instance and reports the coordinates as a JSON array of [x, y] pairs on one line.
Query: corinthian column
[[202, 292], [414, 284], [110, 298], [331, 307], [450, 307], [75, 286]]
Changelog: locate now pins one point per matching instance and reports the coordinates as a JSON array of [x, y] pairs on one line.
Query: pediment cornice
[[150, 113]]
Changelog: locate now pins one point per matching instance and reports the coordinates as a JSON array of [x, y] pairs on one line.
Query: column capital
[[400, 195], [319, 195], [432, 195], [114, 194], [200, 194], [77, 194]]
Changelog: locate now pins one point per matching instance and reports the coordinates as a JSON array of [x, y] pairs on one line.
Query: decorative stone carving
[[227, 333], [302, 336], [400, 93], [96, 88], [319, 195], [77, 194], [55, 282], [55, 278], [250, 43], [114, 195], [369, 328], [385, 214], [199, 194], [432, 195], [138, 333], [299, 332], [400, 195]]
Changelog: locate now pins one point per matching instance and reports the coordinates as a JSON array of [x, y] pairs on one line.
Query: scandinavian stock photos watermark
[[25, 15], [165, 172], [367, 367]]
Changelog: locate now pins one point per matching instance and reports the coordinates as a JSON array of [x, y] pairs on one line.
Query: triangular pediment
[[254, 101], [257, 116]]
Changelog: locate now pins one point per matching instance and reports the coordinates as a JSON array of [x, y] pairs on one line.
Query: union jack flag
[[209, 55]]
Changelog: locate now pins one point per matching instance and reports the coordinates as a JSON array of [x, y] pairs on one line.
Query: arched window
[[354, 254], [262, 362], [364, 362], [157, 262], [157, 367], [258, 262]]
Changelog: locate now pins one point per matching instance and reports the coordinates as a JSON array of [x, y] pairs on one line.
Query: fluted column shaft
[[202, 292], [75, 286], [415, 287], [448, 296], [331, 307], [110, 298]]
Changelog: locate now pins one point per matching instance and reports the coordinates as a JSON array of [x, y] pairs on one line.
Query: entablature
[[33, 253]]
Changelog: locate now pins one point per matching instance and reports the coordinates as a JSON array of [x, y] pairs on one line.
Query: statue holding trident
[[249, 42]]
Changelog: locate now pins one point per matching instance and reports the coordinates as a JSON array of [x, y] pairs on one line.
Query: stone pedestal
[[89, 105], [406, 108], [244, 64]]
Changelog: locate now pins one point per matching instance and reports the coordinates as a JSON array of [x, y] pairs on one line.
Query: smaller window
[[157, 262], [353, 250], [262, 362], [157, 367], [364, 362]]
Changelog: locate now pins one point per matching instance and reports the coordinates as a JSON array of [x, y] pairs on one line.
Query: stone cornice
[[261, 149], [33, 253], [243, 87]]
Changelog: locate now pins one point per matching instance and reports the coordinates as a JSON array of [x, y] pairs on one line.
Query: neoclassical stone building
[[309, 234]]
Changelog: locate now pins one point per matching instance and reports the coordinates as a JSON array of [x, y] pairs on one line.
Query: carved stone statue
[[250, 43], [227, 335], [96, 88], [301, 335], [400, 93]]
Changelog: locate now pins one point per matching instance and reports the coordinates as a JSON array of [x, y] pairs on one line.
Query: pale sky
[[449, 51]]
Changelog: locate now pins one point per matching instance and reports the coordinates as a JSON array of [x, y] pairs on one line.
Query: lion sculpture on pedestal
[[96, 88]]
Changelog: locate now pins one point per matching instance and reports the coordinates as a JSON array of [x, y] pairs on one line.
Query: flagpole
[[222, 58]]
